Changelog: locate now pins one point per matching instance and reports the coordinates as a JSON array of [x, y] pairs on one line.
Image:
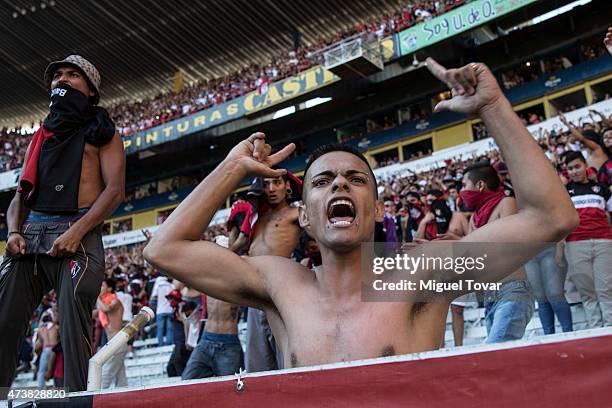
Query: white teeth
[[339, 223], [346, 202]]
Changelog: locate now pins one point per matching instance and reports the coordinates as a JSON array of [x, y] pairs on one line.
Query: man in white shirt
[[126, 300], [163, 311]]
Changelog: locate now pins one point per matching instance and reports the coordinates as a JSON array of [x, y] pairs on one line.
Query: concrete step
[[145, 343], [154, 351], [152, 370], [146, 360], [157, 381]]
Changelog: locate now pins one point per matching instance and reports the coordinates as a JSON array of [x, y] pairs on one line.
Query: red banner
[[573, 373]]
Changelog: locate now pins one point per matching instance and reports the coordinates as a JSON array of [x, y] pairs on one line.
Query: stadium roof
[[138, 45]]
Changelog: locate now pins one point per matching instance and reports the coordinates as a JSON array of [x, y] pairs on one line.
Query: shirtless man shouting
[[319, 317]]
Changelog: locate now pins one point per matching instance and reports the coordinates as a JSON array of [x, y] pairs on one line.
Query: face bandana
[[482, 203], [68, 108], [471, 199]]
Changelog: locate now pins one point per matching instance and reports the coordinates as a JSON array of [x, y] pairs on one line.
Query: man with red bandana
[[509, 309]]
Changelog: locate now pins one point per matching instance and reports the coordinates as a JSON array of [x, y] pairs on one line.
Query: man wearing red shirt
[[589, 246]]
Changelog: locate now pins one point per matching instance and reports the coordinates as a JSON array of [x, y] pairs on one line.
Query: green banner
[[454, 22]]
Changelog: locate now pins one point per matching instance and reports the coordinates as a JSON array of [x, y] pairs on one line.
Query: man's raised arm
[[177, 249], [546, 213]]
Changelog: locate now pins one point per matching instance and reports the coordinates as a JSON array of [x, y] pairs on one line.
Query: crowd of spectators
[[13, 145], [555, 145], [134, 117], [531, 70]]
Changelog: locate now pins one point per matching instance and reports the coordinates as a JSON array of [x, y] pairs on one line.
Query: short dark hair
[[111, 283], [337, 147], [571, 156], [483, 171], [189, 306]]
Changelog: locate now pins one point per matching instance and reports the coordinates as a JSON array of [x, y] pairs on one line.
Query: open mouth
[[341, 212]]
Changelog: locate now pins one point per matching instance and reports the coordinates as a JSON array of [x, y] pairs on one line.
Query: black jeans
[[178, 360], [76, 280]]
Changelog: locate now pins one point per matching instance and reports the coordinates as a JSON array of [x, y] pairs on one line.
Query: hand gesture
[[608, 40], [474, 88], [254, 156]]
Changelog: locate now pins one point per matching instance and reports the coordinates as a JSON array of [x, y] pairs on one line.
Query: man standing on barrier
[[73, 178]]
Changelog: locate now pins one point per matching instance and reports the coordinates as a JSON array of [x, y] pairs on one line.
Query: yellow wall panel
[[144, 219], [452, 136]]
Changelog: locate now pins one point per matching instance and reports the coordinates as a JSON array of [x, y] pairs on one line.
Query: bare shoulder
[[292, 213], [278, 267], [507, 206], [279, 273]]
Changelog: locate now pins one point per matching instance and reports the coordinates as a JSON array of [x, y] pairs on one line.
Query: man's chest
[[267, 222], [275, 229], [320, 336]]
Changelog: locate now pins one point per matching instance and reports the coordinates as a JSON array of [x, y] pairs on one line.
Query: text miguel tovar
[[432, 285]]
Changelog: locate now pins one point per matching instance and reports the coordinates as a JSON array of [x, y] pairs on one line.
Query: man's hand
[[15, 246], [608, 40], [254, 156], [147, 234], [420, 241], [449, 236], [563, 119], [473, 87], [66, 244]]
